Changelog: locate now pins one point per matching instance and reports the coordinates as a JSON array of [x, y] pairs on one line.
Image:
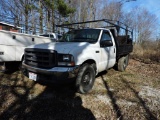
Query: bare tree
[[143, 23], [112, 10], [47, 13]]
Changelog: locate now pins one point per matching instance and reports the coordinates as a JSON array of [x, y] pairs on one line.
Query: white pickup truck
[[53, 36], [80, 55], [12, 45]]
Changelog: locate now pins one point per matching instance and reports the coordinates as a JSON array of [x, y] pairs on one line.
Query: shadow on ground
[[18, 100], [18, 103], [148, 115], [109, 93]]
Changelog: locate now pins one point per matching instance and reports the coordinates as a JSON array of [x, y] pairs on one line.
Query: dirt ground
[[133, 94]]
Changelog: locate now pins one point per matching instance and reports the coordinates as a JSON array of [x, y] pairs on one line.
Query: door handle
[[32, 39], [97, 51]]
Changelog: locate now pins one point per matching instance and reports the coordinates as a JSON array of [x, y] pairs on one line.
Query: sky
[[153, 6]]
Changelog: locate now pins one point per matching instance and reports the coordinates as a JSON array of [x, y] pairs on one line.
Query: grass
[[132, 94], [148, 52]]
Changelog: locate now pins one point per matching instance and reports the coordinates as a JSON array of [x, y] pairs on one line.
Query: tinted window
[[59, 36], [45, 35], [6, 28], [82, 35], [51, 36], [106, 36]]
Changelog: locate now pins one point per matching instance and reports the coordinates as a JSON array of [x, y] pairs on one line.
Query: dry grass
[[133, 94], [148, 52]]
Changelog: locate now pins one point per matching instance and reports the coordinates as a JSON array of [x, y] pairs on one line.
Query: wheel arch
[[91, 61], [22, 57]]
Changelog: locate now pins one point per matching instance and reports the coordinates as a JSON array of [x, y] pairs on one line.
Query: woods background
[[41, 16]]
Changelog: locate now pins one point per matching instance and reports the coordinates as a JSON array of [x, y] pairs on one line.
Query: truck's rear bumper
[[53, 75]]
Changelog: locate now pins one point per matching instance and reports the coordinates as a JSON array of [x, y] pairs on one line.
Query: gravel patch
[[104, 99], [152, 97], [147, 91], [125, 103]]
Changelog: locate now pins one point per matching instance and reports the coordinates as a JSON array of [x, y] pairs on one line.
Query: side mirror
[[106, 43]]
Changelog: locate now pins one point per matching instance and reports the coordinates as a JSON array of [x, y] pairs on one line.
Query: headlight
[[65, 60]]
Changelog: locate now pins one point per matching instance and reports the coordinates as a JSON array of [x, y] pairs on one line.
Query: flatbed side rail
[[117, 24], [123, 50]]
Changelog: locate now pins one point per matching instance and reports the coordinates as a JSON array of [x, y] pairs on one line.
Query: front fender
[[82, 58], [85, 53]]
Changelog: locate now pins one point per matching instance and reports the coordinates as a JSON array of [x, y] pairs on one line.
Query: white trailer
[[12, 45]]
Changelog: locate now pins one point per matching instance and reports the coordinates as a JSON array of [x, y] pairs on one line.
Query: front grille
[[40, 58]]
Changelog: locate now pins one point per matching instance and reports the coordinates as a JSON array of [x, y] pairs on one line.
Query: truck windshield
[[81, 35], [45, 35]]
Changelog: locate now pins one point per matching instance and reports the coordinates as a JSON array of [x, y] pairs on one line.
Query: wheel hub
[[86, 79]]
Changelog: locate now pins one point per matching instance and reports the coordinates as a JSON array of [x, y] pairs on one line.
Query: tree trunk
[[48, 22], [53, 24], [26, 16], [40, 17]]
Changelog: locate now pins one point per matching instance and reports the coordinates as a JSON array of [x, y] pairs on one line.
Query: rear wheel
[[123, 63], [85, 78]]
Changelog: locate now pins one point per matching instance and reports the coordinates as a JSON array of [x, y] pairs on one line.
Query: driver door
[[108, 50]]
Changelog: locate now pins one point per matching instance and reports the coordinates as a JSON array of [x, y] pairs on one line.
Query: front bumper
[[53, 75]]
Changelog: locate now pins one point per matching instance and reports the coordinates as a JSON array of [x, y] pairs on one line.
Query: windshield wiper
[[86, 40]]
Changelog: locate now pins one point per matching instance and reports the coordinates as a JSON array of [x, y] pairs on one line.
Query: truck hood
[[61, 47]]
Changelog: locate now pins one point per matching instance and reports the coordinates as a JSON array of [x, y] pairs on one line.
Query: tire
[[20, 66], [123, 63], [12, 66], [85, 78]]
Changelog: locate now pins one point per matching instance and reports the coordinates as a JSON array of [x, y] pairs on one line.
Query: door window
[[106, 36]]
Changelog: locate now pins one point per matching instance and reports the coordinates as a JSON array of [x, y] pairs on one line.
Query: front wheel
[[85, 78]]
